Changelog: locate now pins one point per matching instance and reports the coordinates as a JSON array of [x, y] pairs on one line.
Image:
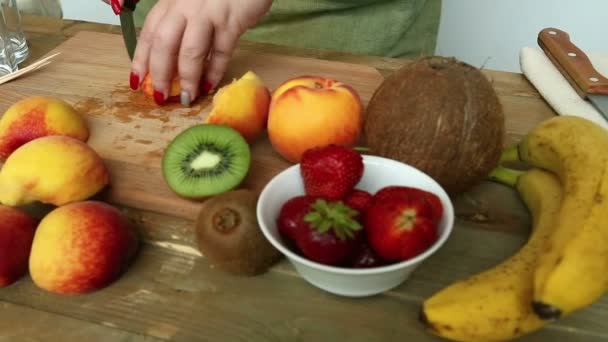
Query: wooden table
[[170, 293]]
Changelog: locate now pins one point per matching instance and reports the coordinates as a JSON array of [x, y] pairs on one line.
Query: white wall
[[475, 31], [89, 10]]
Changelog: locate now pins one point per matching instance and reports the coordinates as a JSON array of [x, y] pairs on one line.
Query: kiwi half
[[205, 160]]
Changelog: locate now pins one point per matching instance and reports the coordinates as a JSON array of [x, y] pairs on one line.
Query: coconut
[[441, 116]]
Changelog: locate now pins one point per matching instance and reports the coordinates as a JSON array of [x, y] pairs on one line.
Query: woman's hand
[[195, 38]]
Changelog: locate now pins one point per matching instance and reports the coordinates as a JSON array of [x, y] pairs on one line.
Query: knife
[[576, 67], [127, 26]]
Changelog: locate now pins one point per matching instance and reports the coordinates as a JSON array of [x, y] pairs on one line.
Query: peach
[[174, 91], [82, 247], [309, 111], [54, 170], [242, 105], [16, 234], [39, 116]]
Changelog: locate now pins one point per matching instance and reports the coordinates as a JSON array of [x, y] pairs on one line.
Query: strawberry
[[291, 216], [331, 233], [331, 171], [358, 200], [410, 192], [399, 228], [366, 257]]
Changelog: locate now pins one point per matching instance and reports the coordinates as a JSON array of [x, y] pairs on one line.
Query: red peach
[[16, 234], [81, 247], [39, 116]]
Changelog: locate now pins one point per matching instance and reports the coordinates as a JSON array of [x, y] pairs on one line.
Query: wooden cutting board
[[130, 132]]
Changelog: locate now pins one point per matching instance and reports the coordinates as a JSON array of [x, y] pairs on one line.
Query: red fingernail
[[159, 97], [134, 80], [116, 7], [207, 87]]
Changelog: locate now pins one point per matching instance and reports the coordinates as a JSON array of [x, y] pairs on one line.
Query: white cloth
[[554, 87]]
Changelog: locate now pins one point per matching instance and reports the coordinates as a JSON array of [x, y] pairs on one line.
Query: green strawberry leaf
[[336, 216]]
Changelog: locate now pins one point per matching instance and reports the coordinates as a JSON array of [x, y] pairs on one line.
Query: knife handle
[[572, 62]]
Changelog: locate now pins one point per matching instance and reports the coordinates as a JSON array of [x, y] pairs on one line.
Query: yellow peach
[[309, 111], [38, 116], [54, 169], [81, 247], [16, 234], [174, 90], [242, 105]]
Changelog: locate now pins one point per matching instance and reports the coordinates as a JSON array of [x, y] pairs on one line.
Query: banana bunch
[[563, 267], [494, 305]]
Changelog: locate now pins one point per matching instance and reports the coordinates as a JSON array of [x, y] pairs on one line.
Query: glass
[[12, 19], [8, 62]]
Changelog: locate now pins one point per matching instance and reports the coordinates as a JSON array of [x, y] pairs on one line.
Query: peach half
[[82, 247], [310, 111], [38, 116], [242, 105], [54, 170]]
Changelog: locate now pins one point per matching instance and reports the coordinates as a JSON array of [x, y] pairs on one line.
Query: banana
[[572, 269], [494, 305]]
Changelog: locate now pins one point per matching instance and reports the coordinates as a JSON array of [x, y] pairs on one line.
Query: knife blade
[[576, 67], [127, 26]]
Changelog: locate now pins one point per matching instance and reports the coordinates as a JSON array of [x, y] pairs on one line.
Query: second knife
[[576, 67]]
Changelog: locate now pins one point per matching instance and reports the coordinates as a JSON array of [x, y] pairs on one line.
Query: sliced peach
[[242, 105]]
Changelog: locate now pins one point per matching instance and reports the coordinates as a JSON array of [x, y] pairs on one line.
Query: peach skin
[[39, 116], [16, 234], [82, 247], [309, 111], [55, 170], [242, 105]]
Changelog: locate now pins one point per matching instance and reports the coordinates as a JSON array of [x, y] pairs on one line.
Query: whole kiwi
[[228, 234], [441, 116]]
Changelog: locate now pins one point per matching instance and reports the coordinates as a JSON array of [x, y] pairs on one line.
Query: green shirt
[[391, 28]]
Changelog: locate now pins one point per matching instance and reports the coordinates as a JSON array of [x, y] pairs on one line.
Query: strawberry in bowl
[[327, 232], [354, 224], [331, 171], [399, 228]]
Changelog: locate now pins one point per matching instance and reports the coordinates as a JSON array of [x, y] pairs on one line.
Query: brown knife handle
[[572, 62]]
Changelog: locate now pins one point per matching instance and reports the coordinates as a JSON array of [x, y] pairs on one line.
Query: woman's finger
[[224, 42], [139, 65], [192, 55], [164, 51], [116, 5]]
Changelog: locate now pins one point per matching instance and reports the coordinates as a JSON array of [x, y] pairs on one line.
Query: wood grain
[[174, 296], [130, 132], [24, 324]]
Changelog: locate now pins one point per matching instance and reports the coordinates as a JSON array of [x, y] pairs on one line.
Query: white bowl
[[378, 173]]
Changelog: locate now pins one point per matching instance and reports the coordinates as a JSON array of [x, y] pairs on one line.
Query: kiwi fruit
[[228, 234], [205, 160]]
